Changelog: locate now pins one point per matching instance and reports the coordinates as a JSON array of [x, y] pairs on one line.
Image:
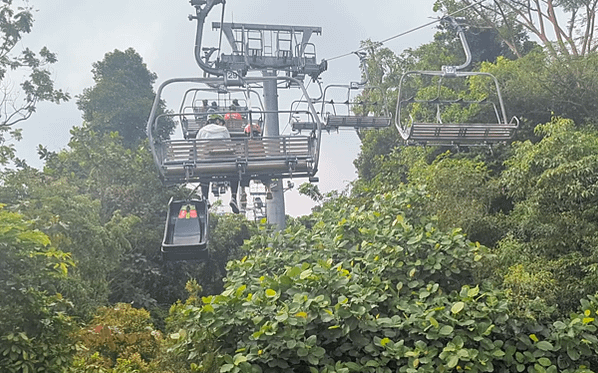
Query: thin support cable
[[408, 31]]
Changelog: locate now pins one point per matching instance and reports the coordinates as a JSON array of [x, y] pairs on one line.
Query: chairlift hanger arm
[[202, 8], [461, 33], [364, 67]]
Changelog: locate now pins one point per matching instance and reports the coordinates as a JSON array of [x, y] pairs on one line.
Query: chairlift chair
[[432, 120], [341, 114], [300, 118], [192, 160]]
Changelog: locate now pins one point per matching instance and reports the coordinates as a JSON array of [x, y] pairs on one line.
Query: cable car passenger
[[215, 129], [253, 128], [234, 114], [188, 211]]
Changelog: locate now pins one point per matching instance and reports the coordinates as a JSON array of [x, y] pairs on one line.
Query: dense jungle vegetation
[[438, 259]]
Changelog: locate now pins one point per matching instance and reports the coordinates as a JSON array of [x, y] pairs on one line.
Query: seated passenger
[[234, 114], [187, 212], [253, 130], [215, 129]]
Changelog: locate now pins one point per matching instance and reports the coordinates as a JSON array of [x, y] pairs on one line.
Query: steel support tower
[[265, 49]]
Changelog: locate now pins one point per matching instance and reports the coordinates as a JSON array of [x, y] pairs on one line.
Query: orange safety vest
[[187, 212], [228, 116]]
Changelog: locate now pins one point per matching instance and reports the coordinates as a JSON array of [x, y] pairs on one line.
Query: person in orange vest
[[253, 129], [234, 114]]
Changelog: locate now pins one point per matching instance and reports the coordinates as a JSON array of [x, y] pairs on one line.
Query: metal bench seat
[[303, 126], [211, 159], [336, 121], [454, 134]]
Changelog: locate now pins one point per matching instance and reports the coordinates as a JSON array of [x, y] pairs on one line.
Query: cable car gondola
[[430, 115]]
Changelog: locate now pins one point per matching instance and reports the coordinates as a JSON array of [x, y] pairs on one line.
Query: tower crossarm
[[278, 47]]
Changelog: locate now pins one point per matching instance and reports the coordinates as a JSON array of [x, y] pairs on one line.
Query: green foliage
[[176, 354], [73, 222], [553, 185], [118, 339], [34, 321], [522, 289], [463, 192], [121, 98], [105, 204], [376, 145], [393, 169], [312, 191], [370, 290], [535, 88], [453, 113], [227, 235]]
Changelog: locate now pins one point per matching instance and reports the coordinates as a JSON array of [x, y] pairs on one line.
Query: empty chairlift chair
[[343, 113], [434, 114], [300, 118]]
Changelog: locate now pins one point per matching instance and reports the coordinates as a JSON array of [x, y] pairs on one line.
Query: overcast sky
[[81, 32]]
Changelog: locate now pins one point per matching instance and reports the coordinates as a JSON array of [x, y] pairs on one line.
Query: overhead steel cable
[[409, 31]]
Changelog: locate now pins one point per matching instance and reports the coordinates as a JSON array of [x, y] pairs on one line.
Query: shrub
[[118, 339]]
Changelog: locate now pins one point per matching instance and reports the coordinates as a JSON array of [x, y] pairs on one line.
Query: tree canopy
[[121, 98], [35, 325], [439, 259]]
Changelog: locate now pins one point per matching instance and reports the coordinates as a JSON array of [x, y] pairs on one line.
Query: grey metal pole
[[275, 211]]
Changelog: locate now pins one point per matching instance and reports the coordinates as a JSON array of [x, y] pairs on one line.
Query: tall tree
[[554, 186], [25, 78], [122, 97]]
